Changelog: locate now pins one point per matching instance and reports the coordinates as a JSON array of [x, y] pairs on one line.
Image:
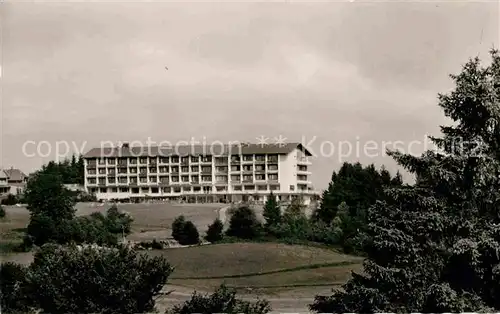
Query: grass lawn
[[266, 268]]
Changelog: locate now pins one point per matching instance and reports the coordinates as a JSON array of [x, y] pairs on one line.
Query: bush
[[244, 224], [223, 300], [96, 280], [189, 235], [178, 227], [10, 200], [155, 245], [117, 222], [215, 231], [14, 296], [2, 212]]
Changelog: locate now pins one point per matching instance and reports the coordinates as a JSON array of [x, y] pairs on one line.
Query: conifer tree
[[434, 246]]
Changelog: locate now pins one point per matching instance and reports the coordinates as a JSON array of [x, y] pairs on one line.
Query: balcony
[[303, 161], [247, 180], [206, 171], [91, 166]]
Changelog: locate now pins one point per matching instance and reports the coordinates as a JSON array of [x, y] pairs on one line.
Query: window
[[154, 190], [135, 190], [260, 168], [274, 187], [221, 188], [195, 179], [143, 180], [111, 171], [111, 161], [152, 169], [249, 187], [91, 171], [272, 167], [186, 189], [206, 178], [132, 170], [102, 161], [221, 169], [133, 180], [163, 169], [174, 169], [184, 160], [185, 178], [194, 159], [301, 177], [260, 177], [132, 161], [143, 160], [221, 178], [103, 190], [196, 188], [262, 187], [185, 169], [102, 180], [112, 180], [195, 169], [235, 158], [175, 159], [164, 179], [124, 190], [247, 168], [91, 180], [235, 168], [237, 188], [164, 160], [247, 178], [235, 178], [153, 179], [260, 158], [122, 170], [143, 170], [175, 179], [302, 168], [145, 190], [177, 189], [206, 169], [122, 180], [206, 158], [273, 177], [292, 188], [114, 190], [272, 158], [166, 189], [247, 157], [152, 160]]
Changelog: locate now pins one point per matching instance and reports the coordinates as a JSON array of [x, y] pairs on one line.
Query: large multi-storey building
[[219, 173]]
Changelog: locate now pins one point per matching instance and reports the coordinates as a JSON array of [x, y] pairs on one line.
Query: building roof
[[14, 174], [201, 150]]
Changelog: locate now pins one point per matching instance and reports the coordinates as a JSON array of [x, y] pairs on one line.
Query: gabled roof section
[[14, 174], [201, 150]]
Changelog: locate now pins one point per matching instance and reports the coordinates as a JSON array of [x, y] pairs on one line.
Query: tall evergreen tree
[[272, 211], [434, 246]]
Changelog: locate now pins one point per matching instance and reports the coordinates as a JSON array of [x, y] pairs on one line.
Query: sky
[[337, 76]]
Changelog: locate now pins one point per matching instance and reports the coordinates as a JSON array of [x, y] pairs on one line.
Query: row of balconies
[[112, 173], [148, 183], [192, 160]]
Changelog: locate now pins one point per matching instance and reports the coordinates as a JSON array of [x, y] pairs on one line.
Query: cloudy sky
[[322, 73]]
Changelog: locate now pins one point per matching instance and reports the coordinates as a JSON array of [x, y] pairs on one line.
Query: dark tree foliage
[[95, 280], [244, 224], [433, 247], [190, 234], [45, 194], [2, 212], [13, 289], [223, 300], [178, 227], [358, 187], [215, 231], [272, 211], [70, 171]]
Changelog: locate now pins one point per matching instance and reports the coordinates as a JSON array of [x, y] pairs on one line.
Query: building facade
[[12, 181], [200, 173]]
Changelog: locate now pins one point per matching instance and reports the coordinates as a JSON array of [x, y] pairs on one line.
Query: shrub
[[189, 234], [178, 227], [14, 296], [244, 224], [11, 199], [272, 211], [117, 222], [215, 231], [155, 245], [223, 300], [2, 212], [96, 280]]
